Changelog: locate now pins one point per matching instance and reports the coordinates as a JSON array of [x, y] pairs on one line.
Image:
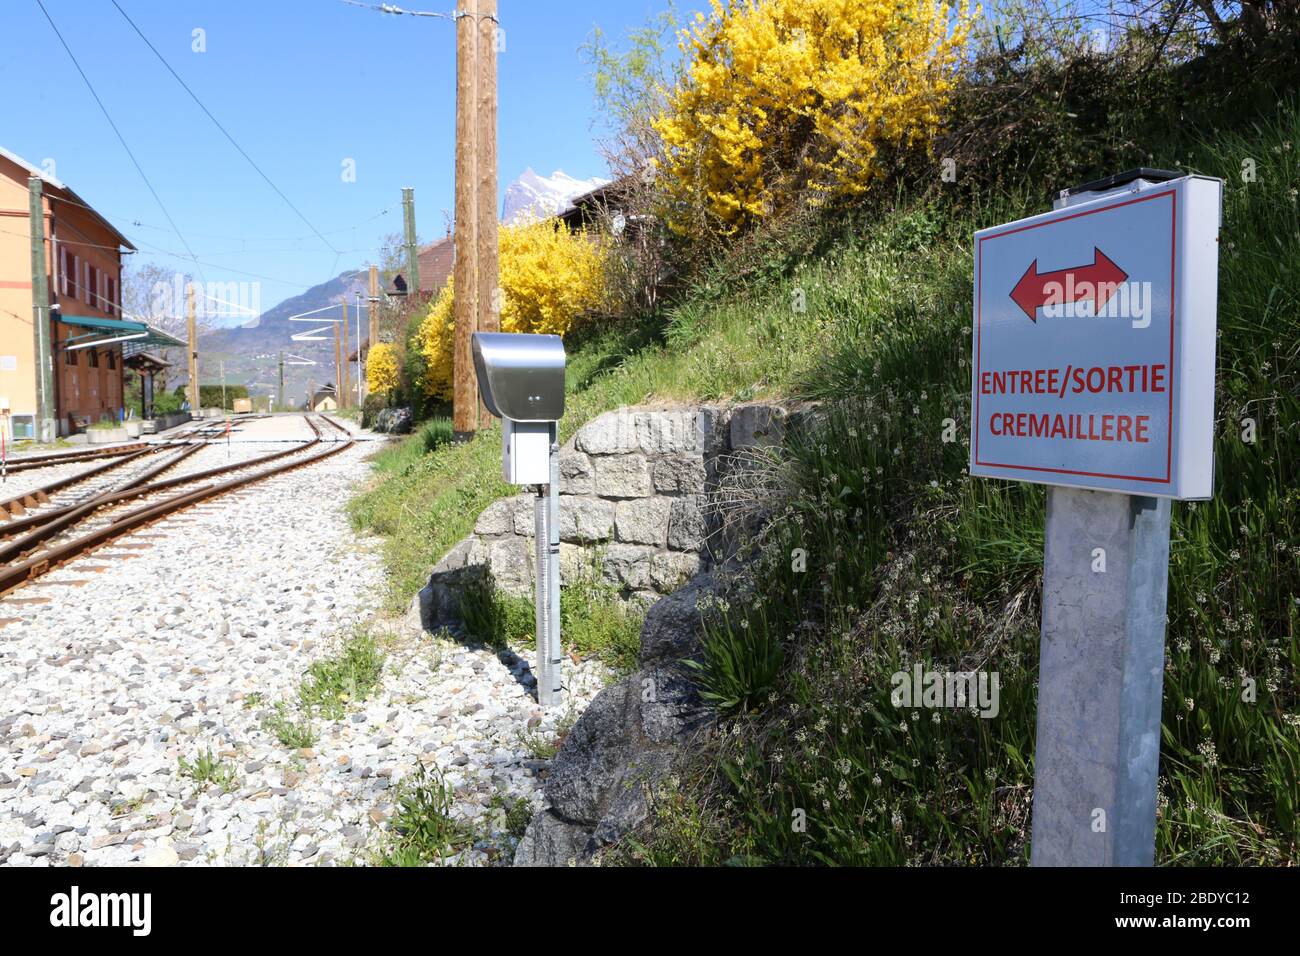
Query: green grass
[[513, 813], [594, 622], [910, 560], [423, 830], [544, 746], [296, 735], [436, 433], [350, 676], [207, 770]]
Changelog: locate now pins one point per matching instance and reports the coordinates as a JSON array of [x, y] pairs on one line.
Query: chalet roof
[[590, 205], [436, 263]]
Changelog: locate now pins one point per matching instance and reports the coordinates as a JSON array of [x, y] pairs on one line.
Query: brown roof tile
[[436, 262]]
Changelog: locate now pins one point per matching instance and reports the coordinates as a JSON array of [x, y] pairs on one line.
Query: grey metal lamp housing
[[521, 377], [521, 381]]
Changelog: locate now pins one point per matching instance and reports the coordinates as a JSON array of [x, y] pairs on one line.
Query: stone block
[[610, 434], [679, 475], [628, 565], [577, 476], [643, 521], [667, 433], [499, 517], [757, 425], [585, 520], [687, 527], [671, 568], [623, 476], [511, 562]]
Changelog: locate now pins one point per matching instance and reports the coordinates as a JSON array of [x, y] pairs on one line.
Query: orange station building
[[87, 331]]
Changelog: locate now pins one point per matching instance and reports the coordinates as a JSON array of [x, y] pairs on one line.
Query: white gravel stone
[[185, 648]]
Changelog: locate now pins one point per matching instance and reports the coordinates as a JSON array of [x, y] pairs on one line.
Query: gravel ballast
[[180, 641]]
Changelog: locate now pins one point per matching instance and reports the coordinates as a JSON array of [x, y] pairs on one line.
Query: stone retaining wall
[[634, 507]]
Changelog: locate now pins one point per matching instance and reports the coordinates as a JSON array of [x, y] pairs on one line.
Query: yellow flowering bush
[[436, 342], [382, 373], [550, 278], [780, 98]]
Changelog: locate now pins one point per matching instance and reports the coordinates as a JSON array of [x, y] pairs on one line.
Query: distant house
[[87, 331], [599, 206], [436, 264], [437, 260], [325, 399]]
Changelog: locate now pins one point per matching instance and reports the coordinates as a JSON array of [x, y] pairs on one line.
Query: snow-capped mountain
[[533, 196]]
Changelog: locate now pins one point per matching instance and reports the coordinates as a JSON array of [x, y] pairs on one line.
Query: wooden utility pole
[[338, 364], [465, 400], [42, 326], [344, 390], [192, 325], [489, 295], [279, 405]]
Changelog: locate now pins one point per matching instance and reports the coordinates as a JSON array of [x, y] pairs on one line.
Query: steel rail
[[16, 575], [130, 489], [33, 462], [134, 490], [41, 520], [17, 507]]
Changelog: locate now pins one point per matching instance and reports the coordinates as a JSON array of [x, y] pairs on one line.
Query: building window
[[92, 284], [92, 358], [112, 359], [69, 357], [113, 303], [74, 281], [67, 279]]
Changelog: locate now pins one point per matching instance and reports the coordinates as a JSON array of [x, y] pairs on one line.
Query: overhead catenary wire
[[392, 8], [141, 225], [121, 139], [224, 131]]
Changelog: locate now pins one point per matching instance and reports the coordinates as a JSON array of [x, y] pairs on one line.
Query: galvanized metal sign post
[[521, 381], [546, 519], [1093, 372]]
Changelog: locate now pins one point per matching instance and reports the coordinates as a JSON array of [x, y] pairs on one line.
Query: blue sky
[[302, 86]]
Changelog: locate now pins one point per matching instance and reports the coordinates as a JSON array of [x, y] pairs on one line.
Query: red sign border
[[1173, 317]]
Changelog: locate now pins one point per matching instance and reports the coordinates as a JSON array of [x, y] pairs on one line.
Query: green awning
[[108, 331], [155, 339], [104, 325]]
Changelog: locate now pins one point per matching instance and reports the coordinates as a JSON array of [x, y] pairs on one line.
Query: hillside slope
[[942, 568], [251, 353]]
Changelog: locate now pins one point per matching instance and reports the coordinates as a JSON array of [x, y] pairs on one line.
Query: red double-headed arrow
[[1097, 282]]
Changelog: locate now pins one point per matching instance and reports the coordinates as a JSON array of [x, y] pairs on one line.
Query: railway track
[[196, 430], [34, 462], [36, 543], [154, 460]]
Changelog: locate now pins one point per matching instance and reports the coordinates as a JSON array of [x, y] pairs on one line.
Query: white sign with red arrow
[[1094, 343]]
